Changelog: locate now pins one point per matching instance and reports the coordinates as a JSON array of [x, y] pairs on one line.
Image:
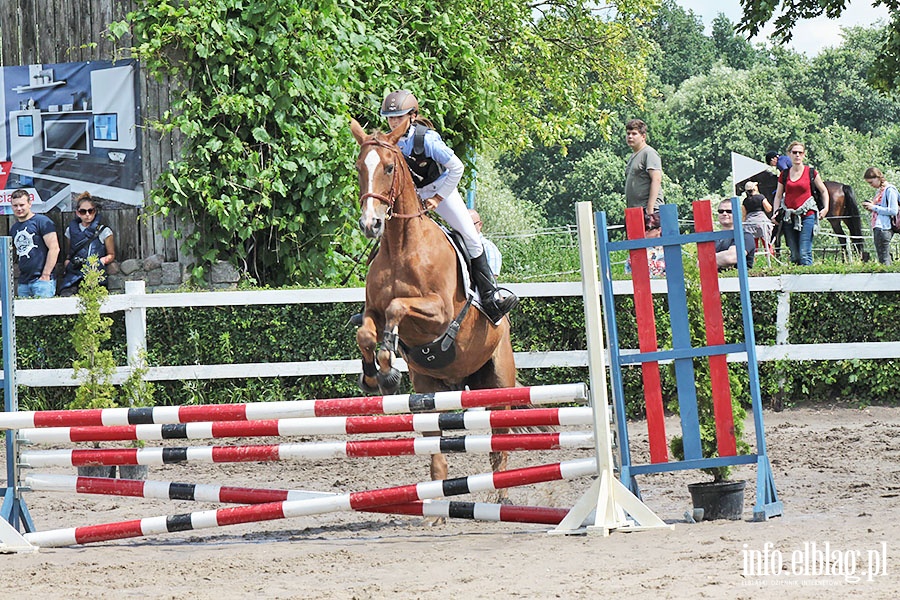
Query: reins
[[394, 191]]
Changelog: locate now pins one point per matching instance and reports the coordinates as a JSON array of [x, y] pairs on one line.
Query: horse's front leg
[[388, 375], [429, 315], [367, 340]]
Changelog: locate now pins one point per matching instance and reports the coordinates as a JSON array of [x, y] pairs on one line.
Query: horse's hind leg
[[439, 467], [499, 372], [842, 237]]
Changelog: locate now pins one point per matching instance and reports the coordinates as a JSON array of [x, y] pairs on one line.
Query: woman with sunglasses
[[801, 213], [87, 236]]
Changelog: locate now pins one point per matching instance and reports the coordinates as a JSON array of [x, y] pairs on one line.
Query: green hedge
[[249, 334]]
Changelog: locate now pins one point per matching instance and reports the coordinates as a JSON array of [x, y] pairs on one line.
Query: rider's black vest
[[424, 170]]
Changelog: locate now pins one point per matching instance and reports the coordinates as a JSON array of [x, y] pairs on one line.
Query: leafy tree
[[884, 73], [843, 154], [834, 86], [684, 50], [597, 178], [541, 176], [266, 177], [735, 51], [500, 209], [722, 112]]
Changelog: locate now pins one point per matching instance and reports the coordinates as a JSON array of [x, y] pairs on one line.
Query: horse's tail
[[850, 200], [854, 222]]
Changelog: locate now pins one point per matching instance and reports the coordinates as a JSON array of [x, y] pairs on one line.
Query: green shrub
[[221, 335]]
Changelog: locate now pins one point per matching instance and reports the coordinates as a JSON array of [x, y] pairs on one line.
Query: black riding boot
[[494, 305]]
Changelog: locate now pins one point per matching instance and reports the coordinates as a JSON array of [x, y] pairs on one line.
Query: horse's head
[[380, 165]]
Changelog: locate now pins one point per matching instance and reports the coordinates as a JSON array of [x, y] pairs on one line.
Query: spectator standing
[[87, 236], [491, 252], [756, 212], [883, 206], [800, 218], [781, 162], [643, 174], [37, 248], [726, 250]]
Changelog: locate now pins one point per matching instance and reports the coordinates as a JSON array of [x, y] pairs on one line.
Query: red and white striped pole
[[427, 422], [167, 490], [80, 457], [395, 404], [294, 508]]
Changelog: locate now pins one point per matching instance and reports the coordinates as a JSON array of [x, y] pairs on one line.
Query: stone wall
[[160, 276]]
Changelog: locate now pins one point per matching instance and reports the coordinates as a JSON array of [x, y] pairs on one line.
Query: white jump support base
[[12, 542], [613, 504]]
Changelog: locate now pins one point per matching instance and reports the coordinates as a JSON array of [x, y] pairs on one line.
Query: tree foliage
[[684, 51], [722, 112], [267, 88], [824, 101], [884, 73]]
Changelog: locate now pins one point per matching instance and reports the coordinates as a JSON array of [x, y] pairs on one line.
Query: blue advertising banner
[[70, 128]]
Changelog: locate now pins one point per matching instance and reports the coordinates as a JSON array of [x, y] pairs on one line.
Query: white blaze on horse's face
[[371, 221]]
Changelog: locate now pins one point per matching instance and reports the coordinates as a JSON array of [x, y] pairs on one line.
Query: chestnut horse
[[415, 292]]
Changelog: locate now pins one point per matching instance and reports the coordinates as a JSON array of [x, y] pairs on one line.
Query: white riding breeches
[[453, 210]]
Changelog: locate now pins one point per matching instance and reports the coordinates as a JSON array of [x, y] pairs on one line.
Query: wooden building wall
[[58, 31]]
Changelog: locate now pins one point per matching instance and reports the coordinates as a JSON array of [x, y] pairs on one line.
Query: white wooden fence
[[135, 302]]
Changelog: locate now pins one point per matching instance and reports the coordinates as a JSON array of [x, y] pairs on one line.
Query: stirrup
[[497, 309], [356, 320]]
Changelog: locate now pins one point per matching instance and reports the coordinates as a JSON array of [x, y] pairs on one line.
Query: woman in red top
[[801, 214]]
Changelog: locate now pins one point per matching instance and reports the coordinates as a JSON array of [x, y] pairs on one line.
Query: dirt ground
[[836, 469]]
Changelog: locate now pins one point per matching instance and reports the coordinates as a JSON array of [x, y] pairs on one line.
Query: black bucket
[[719, 499], [139, 472], [97, 471]]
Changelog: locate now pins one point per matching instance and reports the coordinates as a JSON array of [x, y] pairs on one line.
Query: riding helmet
[[399, 103]]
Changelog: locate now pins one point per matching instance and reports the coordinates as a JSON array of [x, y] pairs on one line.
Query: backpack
[[816, 194], [895, 220]]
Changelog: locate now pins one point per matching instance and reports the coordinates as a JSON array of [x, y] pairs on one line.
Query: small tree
[[94, 366]]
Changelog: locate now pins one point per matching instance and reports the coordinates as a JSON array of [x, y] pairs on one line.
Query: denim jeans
[[37, 289], [800, 242], [882, 238]]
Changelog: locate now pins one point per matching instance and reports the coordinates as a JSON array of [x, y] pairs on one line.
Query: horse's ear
[[398, 132], [358, 132]]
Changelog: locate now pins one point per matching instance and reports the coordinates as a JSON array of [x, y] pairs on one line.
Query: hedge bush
[[248, 334]]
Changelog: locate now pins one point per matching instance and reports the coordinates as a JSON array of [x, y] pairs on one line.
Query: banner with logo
[[69, 128]]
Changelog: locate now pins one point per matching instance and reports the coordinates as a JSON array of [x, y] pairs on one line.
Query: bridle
[[395, 190]]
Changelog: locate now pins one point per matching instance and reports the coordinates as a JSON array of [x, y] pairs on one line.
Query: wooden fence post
[[135, 324]]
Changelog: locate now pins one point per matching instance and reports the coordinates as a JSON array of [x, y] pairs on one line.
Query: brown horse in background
[[843, 212], [415, 291]]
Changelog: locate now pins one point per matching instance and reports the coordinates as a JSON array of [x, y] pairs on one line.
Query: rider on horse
[[436, 171]]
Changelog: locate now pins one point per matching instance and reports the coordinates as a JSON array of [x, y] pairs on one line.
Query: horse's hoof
[[366, 388], [389, 382]]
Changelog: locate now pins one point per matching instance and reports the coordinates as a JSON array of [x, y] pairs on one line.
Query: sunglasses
[[86, 211], [796, 151], [724, 211]]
